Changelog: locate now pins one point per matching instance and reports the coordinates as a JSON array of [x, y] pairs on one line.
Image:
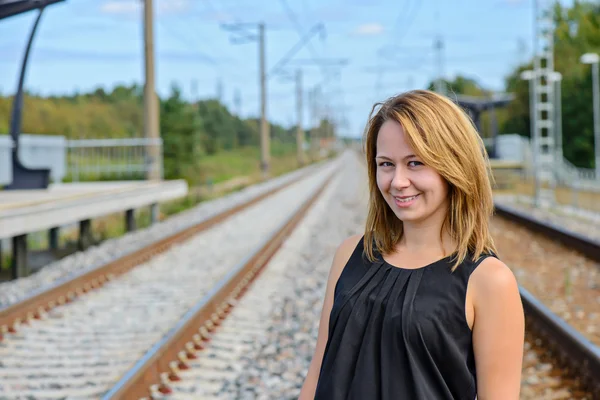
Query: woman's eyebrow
[[404, 158]]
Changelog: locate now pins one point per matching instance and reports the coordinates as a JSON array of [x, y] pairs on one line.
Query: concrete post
[[154, 213], [53, 238], [130, 220], [85, 234], [20, 268]]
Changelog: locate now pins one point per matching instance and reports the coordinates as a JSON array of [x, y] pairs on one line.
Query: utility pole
[[439, 82], [220, 90], [265, 144], [440, 85], [312, 119], [151, 110], [299, 131], [237, 101], [316, 122], [595, 79], [194, 90], [244, 37]]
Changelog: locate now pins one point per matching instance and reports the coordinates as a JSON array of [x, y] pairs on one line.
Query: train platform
[[27, 211]]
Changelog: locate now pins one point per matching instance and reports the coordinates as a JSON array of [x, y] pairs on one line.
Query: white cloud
[[369, 29], [120, 7], [173, 6], [511, 3], [221, 17], [130, 7]]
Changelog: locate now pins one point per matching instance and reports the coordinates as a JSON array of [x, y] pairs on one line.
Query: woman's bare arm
[[340, 259], [498, 331]]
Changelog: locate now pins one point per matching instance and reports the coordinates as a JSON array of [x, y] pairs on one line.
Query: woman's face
[[415, 192]]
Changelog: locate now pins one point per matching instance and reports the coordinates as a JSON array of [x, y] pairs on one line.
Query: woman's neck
[[424, 239]]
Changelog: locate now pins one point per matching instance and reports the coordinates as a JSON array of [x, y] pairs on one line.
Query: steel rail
[[66, 290], [585, 245], [579, 355], [162, 363]]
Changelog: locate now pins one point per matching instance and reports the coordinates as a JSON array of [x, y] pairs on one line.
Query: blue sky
[[375, 48]]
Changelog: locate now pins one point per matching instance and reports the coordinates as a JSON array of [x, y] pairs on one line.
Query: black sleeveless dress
[[399, 334]]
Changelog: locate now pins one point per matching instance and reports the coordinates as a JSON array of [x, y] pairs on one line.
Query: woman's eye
[[414, 163], [385, 164]]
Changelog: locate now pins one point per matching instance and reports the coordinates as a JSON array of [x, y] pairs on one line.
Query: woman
[[420, 307]]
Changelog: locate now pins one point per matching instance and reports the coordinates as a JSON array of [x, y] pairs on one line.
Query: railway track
[[217, 369], [208, 363], [164, 361], [66, 290], [40, 349], [577, 355]]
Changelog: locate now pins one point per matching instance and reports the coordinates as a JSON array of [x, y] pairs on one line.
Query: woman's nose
[[400, 179]]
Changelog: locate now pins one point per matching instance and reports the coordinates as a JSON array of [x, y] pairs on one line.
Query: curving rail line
[[580, 356]]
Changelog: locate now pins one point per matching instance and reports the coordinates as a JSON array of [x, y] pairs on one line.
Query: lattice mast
[[543, 143]]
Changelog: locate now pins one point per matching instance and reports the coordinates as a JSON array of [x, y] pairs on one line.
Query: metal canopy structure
[[10, 8], [24, 177], [476, 105], [479, 104]]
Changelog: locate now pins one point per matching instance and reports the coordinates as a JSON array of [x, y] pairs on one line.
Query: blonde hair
[[444, 137]]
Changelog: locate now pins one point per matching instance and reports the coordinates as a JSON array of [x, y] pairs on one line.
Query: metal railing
[[100, 159], [575, 188], [568, 174]]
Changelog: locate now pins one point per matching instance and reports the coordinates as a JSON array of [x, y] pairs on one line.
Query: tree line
[[577, 32], [190, 130]]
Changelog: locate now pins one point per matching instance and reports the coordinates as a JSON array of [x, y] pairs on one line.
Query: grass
[[227, 165], [215, 168]]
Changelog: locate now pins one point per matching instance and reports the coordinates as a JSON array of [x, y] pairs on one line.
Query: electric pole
[[220, 90], [316, 118], [264, 125], [440, 85], [312, 118], [542, 137], [299, 131], [245, 37], [237, 101], [194, 90], [151, 110]]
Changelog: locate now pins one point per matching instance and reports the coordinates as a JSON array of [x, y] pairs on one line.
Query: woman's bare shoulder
[[350, 243], [343, 253], [493, 276]]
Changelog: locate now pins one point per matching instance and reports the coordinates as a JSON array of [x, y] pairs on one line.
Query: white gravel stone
[[102, 334], [275, 364]]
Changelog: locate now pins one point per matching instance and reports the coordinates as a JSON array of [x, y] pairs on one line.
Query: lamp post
[[529, 75], [556, 77], [593, 58]]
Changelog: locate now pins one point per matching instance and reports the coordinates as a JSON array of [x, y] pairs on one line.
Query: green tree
[[577, 32], [181, 131]]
